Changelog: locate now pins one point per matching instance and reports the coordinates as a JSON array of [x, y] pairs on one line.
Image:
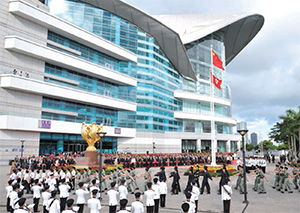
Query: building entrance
[[188, 145]]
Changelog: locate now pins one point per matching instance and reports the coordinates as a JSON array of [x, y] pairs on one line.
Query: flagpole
[[212, 112]]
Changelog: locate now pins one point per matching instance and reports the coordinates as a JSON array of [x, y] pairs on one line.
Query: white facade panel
[[47, 54], [9, 122], [44, 18], [197, 97], [201, 117], [29, 85]]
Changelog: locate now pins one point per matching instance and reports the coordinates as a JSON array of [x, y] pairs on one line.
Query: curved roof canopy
[[239, 29], [167, 38], [171, 32]]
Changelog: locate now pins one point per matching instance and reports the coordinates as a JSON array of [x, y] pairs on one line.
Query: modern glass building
[[147, 79]]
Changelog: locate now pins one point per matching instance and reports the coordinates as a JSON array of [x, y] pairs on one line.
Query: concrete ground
[[273, 201]]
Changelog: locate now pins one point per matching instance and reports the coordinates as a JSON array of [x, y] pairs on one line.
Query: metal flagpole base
[[246, 201]]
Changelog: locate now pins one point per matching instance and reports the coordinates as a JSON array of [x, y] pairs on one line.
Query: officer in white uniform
[[93, 203], [123, 190], [113, 197], [137, 206], [22, 207], [69, 209], [93, 187], [123, 204], [149, 195], [53, 205], [36, 194], [46, 195], [81, 192], [64, 193]]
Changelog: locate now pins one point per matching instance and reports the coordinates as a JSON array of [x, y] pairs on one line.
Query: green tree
[[250, 147], [287, 131], [267, 145], [282, 147]]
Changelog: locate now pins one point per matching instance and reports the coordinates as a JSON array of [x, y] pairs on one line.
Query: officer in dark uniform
[[205, 183], [175, 183], [191, 178], [224, 177], [197, 175]]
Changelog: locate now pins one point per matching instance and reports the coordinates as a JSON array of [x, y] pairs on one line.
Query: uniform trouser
[[27, 187], [280, 183], [175, 188], [256, 183], [135, 184], [260, 185], [150, 209], [73, 184], [112, 209], [156, 205], [196, 204], [205, 184], [238, 181], [63, 203], [103, 185], [130, 185], [7, 204], [241, 185], [226, 206], [197, 182], [145, 185], [36, 204], [162, 200], [45, 210], [80, 210], [295, 182], [276, 182], [263, 169], [286, 185]]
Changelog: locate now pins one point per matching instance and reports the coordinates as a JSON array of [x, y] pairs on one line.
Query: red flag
[[217, 82], [216, 60]]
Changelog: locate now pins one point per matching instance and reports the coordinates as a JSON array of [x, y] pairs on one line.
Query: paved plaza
[[273, 201]]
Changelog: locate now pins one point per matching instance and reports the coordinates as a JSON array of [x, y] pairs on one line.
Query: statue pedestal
[[93, 158]]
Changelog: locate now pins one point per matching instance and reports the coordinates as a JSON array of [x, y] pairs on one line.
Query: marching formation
[[53, 188]]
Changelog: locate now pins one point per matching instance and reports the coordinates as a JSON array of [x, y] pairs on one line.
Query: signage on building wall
[[45, 124], [117, 130]]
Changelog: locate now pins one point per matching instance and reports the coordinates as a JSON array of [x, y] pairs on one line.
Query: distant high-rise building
[[254, 138]]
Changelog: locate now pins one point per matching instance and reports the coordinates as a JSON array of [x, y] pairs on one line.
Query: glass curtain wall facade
[[156, 78]]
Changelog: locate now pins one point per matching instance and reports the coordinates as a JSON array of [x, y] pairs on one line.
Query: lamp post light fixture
[[22, 147], [243, 132], [101, 135]]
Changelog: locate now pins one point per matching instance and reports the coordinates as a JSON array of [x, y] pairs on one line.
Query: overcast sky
[[265, 77]]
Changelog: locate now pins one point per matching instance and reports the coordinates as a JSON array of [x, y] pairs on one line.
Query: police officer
[[205, 183], [175, 183]]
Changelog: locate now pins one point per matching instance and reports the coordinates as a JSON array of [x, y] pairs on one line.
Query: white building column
[[228, 146], [213, 152], [238, 145], [199, 145]]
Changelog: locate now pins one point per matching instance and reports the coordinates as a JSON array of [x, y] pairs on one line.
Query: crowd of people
[[161, 159]]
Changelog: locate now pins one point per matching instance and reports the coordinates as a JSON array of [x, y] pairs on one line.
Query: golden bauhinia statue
[[89, 134]]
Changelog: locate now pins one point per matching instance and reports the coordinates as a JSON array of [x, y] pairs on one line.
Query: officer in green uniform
[[103, 180], [286, 181], [238, 181], [121, 174], [277, 177], [257, 178], [260, 183], [146, 179], [295, 173], [111, 176], [129, 182], [281, 178], [133, 175]]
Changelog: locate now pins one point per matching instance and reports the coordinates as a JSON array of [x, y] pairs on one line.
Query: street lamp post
[[153, 146], [242, 132], [101, 135], [22, 147]]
